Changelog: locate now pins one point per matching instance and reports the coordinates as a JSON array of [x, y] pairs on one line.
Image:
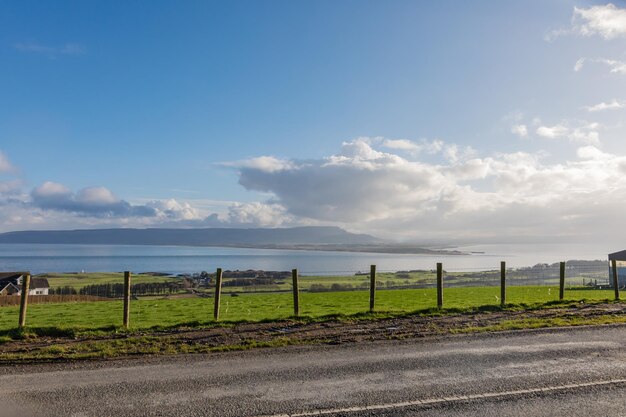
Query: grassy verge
[[538, 323], [39, 344], [128, 347]]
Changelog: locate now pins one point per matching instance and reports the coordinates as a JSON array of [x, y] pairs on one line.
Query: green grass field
[[383, 279], [150, 312], [78, 280], [345, 282]]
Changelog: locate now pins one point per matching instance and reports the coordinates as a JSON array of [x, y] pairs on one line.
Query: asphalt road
[[573, 372]]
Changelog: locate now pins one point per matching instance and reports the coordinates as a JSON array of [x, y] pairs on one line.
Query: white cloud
[[615, 66], [263, 163], [618, 67], [54, 205], [457, 194], [96, 196], [90, 202], [580, 63], [429, 147], [51, 189], [258, 214], [612, 105], [591, 152], [607, 21], [584, 136], [586, 133], [520, 130], [552, 132], [481, 197], [401, 144], [451, 152], [345, 177], [455, 153], [175, 210]]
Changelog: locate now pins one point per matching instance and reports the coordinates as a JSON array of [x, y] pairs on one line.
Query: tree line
[[116, 290]]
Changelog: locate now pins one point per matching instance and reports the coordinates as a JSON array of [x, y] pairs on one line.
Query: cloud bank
[[395, 187], [91, 201], [52, 205], [502, 195], [402, 189]]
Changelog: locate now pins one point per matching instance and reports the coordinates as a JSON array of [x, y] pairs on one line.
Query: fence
[[229, 295], [47, 299]]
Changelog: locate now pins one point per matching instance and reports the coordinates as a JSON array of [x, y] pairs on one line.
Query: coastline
[[308, 259]]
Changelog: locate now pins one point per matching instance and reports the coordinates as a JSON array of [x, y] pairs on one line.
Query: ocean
[[40, 258]]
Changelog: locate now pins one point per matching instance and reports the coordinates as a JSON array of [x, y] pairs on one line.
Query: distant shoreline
[[354, 248], [310, 259], [378, 248], [308, 238]]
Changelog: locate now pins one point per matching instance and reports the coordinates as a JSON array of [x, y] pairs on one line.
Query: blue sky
[[280, 113]]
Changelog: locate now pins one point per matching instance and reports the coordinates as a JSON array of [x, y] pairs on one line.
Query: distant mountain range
[[193, 237], [302, 238]]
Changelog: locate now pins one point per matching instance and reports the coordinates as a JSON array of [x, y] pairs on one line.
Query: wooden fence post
[[24, 300], [615, 280], [296, 293], [126, 299], [439, 285], [218, 293], [562, 281], [502, 283], [372, 287]]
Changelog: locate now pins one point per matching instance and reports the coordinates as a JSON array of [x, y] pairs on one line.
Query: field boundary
[[47, 299], [33, 348]]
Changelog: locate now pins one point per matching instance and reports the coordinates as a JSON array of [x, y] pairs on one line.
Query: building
[[620, 261], [8, 288], [11, 284]]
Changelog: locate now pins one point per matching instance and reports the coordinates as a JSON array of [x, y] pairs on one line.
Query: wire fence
[[579, 274], [273, 295]]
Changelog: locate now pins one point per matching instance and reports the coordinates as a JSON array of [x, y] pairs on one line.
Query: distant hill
[[280, 237]]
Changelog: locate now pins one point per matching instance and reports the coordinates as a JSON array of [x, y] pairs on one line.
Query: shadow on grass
[[27, 333]]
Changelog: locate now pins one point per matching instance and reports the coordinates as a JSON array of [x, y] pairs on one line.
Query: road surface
[[568, 372]]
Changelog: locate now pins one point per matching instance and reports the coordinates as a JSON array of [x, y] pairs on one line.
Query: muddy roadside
[[293, 332]]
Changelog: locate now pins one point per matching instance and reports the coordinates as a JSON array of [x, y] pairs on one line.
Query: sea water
[[40, 258]]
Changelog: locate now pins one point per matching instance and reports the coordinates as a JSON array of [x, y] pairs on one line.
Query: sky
[[413, 121]]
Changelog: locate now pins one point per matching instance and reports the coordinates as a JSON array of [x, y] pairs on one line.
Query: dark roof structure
[[5, 284], [39, 283], [9, 276], [618, 256], [13, 277]]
